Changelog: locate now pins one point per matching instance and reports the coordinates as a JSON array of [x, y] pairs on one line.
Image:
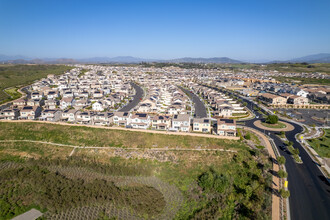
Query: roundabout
[[288, 127]]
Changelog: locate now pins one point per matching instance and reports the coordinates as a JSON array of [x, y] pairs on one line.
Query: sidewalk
[[276, 181]]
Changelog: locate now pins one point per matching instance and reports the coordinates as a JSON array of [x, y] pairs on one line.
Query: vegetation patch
[[197, 185], [21, 75], [87, 136], [322, 145]]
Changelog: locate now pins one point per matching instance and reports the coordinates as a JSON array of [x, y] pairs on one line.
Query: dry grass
[[86, 136]]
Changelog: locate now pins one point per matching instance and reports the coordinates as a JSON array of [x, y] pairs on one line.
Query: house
[[9, 114], [36, 95], [272, 99], [102, 118], [97, 95], [66, 102], [302, 93], [19, 102], [98, 106], [50, 115], [202, 125], [121, 118], [80, 103], [140, 120], [30, 112], [181, 122], [52, 95], [161, 122], [298, 100], [69, 115], [226, 127], [51, 103], [225, 111], [35, 102], [84, 118]]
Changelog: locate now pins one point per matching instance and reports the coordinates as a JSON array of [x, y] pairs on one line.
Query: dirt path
[[287, 128], [276, 180], [116, 148], [127, 129]]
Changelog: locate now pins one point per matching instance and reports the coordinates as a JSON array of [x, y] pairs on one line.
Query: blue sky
[[240, 29]]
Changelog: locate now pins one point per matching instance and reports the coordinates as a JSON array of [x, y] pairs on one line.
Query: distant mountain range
[[316, 58]]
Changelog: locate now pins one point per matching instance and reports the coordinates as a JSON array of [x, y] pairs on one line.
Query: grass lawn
[[13, 93], [198, 185], [277, 125], [322, 145]]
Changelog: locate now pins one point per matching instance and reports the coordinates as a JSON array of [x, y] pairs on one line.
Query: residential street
[[200, 110], [136, 99], [309, 190]]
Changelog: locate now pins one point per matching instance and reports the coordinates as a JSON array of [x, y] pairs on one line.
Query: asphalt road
[[200, 110], [308, 114], [136, 98], [309, 190]]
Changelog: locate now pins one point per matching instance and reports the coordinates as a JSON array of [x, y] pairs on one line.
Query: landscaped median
[[274, 127]]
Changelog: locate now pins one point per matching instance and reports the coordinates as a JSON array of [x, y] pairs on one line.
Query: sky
[[165, 29]]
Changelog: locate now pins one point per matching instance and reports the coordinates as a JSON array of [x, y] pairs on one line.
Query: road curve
[[136, 98], [200, 110], [309, 190]]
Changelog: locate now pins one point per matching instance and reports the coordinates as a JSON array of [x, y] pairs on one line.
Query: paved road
[[307, 115], [200, 110], [136, 99], [310, 191]]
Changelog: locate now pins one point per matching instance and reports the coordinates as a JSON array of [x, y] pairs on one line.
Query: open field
[[87, 136], [299, 67], [20, 75], [118, 183], [299, 80], [322, 145]]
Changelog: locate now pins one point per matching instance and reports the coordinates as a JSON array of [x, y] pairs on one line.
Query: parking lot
[[308, 116]]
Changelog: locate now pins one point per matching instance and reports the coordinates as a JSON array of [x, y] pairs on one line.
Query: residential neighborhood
[[107, 96]]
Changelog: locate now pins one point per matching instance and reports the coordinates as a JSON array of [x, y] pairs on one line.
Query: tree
[[272, 119], [296, 151], [281, 160], [247, 136], [284, 193], [282, 174]]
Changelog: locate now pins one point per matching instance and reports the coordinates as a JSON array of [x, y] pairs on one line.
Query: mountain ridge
[[19, 59]]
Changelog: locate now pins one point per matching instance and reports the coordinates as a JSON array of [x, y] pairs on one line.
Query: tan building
[[226, 127], [297, 100], [202, 125], [273, 99]]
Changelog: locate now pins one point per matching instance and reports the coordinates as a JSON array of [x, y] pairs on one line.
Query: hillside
[[125, 176]]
